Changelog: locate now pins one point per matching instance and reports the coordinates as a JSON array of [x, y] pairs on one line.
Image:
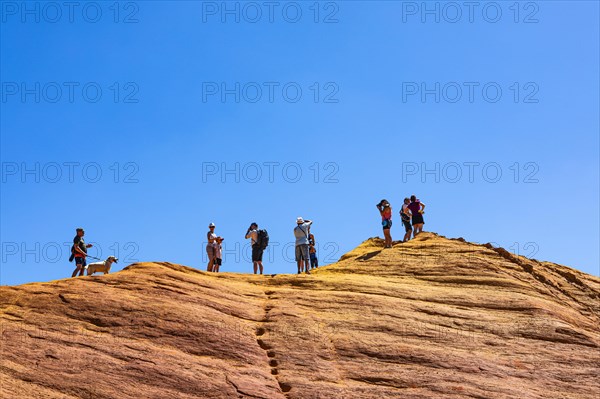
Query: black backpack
[[262, 238], [404, 216]]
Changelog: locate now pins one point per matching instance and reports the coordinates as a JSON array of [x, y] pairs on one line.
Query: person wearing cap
[[302, 251], [79, 252], [257, 251], [211, 246], [385, 209]]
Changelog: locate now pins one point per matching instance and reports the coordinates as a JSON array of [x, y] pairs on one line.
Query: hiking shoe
[[307, 272]]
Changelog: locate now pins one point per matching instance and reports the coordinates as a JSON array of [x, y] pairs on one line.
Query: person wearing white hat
[[302, 252], [211, 246]]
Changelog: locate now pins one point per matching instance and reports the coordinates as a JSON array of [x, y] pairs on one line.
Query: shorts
[[257, 253], [387, 224], [407, 225], [417, 219], [218, 261], [211, 251], [302, 252], [80, 261]]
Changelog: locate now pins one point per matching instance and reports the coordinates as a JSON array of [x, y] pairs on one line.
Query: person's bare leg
[[260, 267], [418, 228], [209, 267], [306, 266], [300, 266], [75, 272], [255, 265]]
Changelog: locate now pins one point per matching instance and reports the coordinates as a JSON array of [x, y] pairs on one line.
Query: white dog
[[101, 266]]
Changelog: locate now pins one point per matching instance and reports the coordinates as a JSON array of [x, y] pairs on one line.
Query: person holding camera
[[257, 250], [385, 210], [302, 251]]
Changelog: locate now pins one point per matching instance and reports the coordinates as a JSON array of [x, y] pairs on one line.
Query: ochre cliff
[[431, 318]]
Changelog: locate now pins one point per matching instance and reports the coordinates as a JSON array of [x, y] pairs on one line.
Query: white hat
[[211, 225], [299, 220]]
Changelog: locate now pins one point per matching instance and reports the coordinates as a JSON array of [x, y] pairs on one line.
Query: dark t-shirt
[[81, 244], [414, 207]]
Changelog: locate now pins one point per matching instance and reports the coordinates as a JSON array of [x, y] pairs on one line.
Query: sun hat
[[299, 220]]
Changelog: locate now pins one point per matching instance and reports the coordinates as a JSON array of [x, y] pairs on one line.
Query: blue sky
[[144, 123]]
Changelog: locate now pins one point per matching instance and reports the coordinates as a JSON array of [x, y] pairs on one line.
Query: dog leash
[[93, 257]]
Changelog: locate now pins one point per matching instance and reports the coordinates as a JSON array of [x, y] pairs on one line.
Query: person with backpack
[[312, 251], [404, 214], [417, 209], [302, 251], [211, 247], [79, 252], [259, 240], [385, 210]]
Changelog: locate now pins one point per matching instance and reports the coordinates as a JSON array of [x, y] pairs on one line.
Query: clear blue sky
[[164, 123]]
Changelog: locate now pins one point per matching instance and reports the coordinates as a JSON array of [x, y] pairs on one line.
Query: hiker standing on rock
[[385, 209], [417, 208], [218, 255], [257, 247], [405, 215], [314, 262], [302, 251], [211, 246], [79, 252]]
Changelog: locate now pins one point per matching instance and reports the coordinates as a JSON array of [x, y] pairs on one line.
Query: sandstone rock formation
[[431, 318]]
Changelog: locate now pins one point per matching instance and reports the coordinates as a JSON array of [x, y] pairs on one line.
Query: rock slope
[[431, 318]]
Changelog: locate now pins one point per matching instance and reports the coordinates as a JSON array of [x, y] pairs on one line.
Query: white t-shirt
[[301, 233], [211, 237]]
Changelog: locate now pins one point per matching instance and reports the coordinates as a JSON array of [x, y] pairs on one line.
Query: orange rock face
[[431, 318]]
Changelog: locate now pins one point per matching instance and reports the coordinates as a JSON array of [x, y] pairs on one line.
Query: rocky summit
[[431, 318]]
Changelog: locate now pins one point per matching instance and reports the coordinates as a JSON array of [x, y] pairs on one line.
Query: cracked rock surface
[[431, 318]]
